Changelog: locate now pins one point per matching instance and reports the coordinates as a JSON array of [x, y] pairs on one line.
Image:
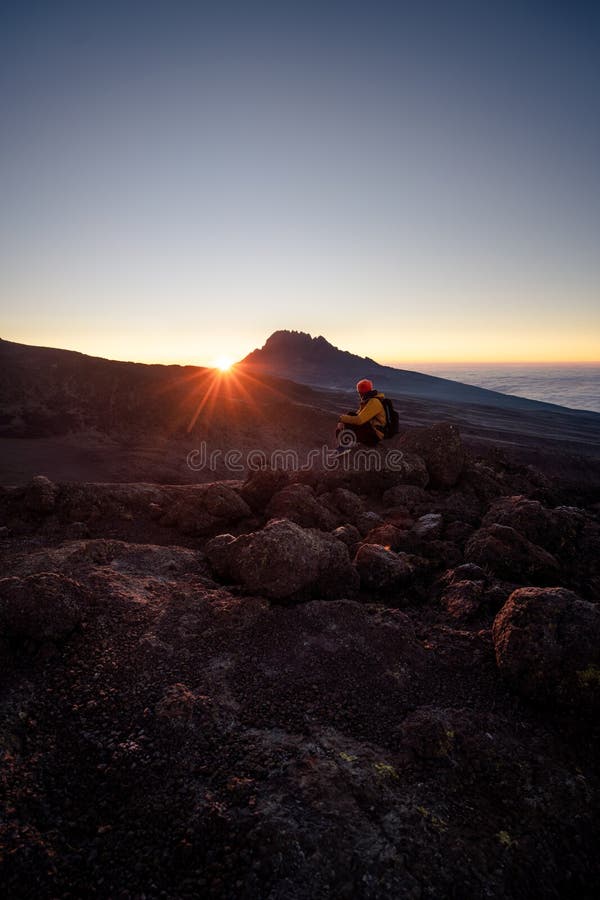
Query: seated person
[[368, 422]]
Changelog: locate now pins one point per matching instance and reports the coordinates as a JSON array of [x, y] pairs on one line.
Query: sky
[[414, 181]]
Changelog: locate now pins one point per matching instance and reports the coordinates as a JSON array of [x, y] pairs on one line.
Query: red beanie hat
[[364, 386]]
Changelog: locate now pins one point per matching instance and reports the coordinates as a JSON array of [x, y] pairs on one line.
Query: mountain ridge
[[315, 361]]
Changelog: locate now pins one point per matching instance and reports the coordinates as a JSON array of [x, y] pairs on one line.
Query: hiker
[[368, 422]]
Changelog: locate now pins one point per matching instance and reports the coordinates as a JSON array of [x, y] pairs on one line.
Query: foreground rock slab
[[284, 559]]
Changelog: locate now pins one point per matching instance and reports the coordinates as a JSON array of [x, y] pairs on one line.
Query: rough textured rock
[[555, 530], [297, 502], [387, 535], [547, 644], [407, 495], [344, 503], [260, 486], [510, 555], [465, 572], [411, 468], [569, 533], [90, 502], [40, 607], [462, 599], [40, 495], [428, 733], [367, 521], [347, 534], [177, 702], [76, 557], [205, 509], [429, 526], [459, 505], [284, 559], [458, 532], [381, 569], [370, 480], [442, 554], [217, 553], [441, 447]]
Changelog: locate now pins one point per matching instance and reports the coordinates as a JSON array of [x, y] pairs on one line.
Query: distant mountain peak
[[300, 357], [300, 340]]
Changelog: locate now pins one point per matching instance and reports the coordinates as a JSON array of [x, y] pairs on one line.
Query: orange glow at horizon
[[401, 348], [223, 363]]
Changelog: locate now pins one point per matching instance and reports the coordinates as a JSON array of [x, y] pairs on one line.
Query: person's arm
[[371, 408]]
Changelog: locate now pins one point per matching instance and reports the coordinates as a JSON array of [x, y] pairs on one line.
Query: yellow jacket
[[370, 410]]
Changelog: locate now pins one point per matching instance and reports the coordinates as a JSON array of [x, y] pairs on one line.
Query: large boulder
[[409, 468], [206, 508], [44, 607], [510, 555], [526, 516], [441, 447], [260, 485], [297, 502], [381, 569], [459, 505], [410, 496], [547, 644], [567, 532], [344, 503], [87, 502], [40, 495], [369, 472], [283, 560]]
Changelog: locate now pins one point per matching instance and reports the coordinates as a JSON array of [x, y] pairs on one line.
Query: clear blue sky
[[414, 181]]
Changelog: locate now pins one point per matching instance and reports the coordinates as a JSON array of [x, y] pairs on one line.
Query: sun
[[223, 363]]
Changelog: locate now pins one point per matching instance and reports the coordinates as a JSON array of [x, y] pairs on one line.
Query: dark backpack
[[392, 422]]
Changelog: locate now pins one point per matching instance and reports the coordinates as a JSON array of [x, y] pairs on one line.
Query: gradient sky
[[414, 181]]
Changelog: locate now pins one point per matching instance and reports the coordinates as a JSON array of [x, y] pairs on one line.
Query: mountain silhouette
[[315, 361]]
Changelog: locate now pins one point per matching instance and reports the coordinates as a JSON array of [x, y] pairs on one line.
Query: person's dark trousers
[[364, 433]]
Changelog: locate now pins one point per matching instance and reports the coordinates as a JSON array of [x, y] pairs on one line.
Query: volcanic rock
[[429, 526], [510, 555], [40, 607], [297, 502], [382, 569], [441, 447], [547, 643], [284, 559], [40, 495]]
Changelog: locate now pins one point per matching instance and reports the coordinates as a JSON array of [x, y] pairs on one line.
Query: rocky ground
[[303, 685]]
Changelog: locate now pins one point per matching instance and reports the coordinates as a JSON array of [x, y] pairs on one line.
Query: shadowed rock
[[40, 495], [344, 503], [205, 509], [428, 527], [547, 643], [381, 569], [442, 449], [284, 559], [406, 495], [510, 555], [462, 599], [177, 703], [297, 502], [387, 535], [348, 534], [260, 486], [40, 607]]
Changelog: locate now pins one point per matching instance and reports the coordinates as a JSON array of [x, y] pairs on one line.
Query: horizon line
[[395, 364]]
